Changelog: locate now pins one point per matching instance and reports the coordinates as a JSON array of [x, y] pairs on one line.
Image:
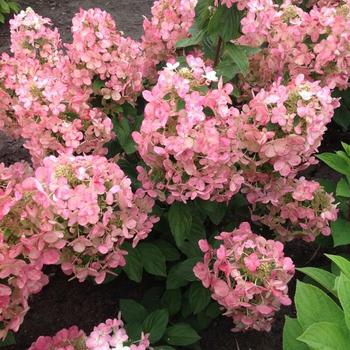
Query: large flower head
[[100, 50], [188, 138], [284, 126], [95, 211]]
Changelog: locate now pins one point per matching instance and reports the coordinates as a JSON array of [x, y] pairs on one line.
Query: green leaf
[[134, 331], [213, 310], [180, 221], [168, 250], [181, 334], [346, 148], [2, 18], [340, 232], [14, 6], [134, 266], [123, 131], [323, 277], [190, 246], [328, 185], [313, 305], [225, 22], [5, 8], [164, 347], [343, 288], [209, 47], [342, 263], [343, 188], [153, 259], [202, 321], [174, 279], [97, 85], [171, 300], [9, 340], [132, 311], [238, 56], [249, 50], [155, 324], [336, 162], [199, 297], [215, 211], [227, 69], [195, 39], [202, 13], [326, 336], [182, 273], [185, 269], [291, 331]]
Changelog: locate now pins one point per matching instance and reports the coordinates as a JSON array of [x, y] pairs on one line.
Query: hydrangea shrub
[[163, 155]]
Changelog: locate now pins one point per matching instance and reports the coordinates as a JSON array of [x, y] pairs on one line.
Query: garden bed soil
[[63, 303]]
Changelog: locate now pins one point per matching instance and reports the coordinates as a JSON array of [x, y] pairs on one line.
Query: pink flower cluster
[[188, 138], [20, 276], [313, 43], [247, 275], [32, 36], [98, 49], [292, 207], [110, 335], [75, 211], [40, 102], [284, 126], [170, 22], [94, 212], [66, 339]]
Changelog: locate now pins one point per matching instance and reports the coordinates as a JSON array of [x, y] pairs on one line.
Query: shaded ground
[[63, 303]]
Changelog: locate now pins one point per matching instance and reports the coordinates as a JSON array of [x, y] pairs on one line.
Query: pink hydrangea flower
[[110, 335], [247, 275], [188, 138], [295, 41], [98, 49], [170, 22], [292, 208], [66, 339], [284, 126], [94, 209]]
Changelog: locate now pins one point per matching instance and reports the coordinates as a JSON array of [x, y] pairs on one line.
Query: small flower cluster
[[32, 36], [188, 138], [19, 280], [170, 22], [110, 335], [94, 210], [66, 339], [98, 49], [247, 275], [284, 126], [293, 208]]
